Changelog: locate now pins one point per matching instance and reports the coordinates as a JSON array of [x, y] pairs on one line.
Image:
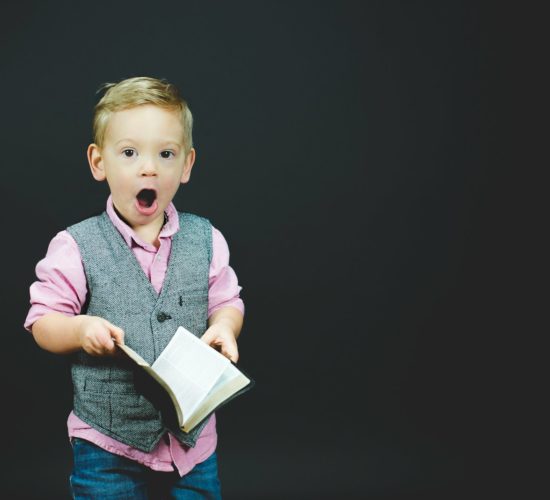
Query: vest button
[[162, 317]]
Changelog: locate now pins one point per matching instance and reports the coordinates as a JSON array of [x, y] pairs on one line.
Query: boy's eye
[[128, 153], [167, 154]]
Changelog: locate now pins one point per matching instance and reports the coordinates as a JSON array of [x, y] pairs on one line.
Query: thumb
[[117, 334], [230, 351], [208, 336]]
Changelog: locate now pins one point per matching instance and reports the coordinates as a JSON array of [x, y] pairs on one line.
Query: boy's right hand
[[97, 336]]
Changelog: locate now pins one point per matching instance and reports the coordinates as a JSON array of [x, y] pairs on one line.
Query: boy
[[133, 275]]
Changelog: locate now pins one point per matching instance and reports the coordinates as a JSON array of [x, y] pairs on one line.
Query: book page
[[231, 382], [191, 368]]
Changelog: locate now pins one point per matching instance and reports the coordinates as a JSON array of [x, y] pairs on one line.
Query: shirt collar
[[171, 225]]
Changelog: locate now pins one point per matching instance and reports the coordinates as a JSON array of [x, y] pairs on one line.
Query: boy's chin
[[134, 219], [136, 216]]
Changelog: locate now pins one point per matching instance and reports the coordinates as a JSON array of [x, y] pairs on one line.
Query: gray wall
[[339, 152]]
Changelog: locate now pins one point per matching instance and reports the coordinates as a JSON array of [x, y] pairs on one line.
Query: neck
[[148, 233]]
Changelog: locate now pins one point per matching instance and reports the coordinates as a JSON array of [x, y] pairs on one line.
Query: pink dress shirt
[[61, 287]]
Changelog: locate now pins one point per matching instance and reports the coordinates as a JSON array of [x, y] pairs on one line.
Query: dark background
[[340, 153]]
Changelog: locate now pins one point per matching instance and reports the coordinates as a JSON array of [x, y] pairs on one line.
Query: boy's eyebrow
[[123, 140], [166, 143]]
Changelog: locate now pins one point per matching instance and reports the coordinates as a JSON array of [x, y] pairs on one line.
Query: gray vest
[[110, 393]]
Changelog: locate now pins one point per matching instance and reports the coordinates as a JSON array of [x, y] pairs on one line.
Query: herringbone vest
[[111, 394]]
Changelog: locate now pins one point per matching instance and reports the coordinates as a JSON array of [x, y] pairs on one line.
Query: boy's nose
[[148, 167]]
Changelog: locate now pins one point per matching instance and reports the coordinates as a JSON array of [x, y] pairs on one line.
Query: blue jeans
[[98, 474]]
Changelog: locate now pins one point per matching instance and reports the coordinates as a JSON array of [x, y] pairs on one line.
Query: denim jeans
[[98, 474]]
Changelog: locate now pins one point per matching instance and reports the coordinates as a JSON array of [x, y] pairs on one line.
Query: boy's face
[[143, 160]]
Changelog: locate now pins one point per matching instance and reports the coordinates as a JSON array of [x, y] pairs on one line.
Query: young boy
[[133, 275]]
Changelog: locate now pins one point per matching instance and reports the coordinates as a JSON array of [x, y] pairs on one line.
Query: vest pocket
[[109, 380], [129, 418]]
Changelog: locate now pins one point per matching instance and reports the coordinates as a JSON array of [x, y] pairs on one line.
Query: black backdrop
[[339, 152]]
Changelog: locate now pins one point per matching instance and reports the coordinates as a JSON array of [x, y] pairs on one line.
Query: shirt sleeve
[[61, 281], [223, 286]]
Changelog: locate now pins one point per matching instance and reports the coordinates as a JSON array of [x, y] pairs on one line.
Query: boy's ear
[[95, 161], [189, 161]]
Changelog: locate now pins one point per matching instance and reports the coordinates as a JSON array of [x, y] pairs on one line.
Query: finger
[[94, 350], [102, 342], [230, 351], [106, 345], [111, 348], [116, 333], [209, 336], [94, 343]]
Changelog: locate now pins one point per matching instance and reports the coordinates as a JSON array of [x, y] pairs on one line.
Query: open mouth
[[146, 202], [146, 198]]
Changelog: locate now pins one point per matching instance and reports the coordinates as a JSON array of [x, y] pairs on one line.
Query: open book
[[197, 377]]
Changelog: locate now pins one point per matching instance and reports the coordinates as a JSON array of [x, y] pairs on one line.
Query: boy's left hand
[[221, 337]]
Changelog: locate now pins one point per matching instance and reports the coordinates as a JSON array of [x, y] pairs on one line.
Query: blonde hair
[[138, 91]]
